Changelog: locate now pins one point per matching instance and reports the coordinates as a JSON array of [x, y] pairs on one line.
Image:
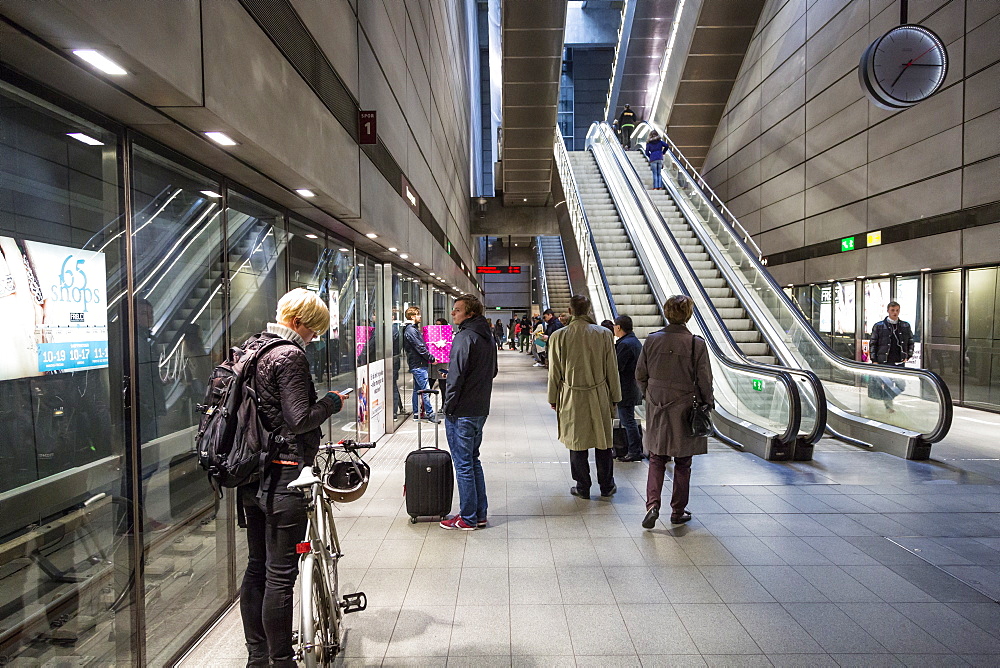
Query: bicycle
[[321, 609]]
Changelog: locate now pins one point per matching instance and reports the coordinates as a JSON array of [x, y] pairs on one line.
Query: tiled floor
[[853, 559]]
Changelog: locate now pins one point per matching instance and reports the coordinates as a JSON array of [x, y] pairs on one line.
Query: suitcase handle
[[427, 391]]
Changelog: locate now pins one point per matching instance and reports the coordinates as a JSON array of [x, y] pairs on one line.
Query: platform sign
[[367, 127], [846, 244], [493, 269]]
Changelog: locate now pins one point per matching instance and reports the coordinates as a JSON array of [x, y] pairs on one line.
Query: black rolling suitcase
[[429, 482]]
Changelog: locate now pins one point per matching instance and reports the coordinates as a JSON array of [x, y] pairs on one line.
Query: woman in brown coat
[[671, 362]]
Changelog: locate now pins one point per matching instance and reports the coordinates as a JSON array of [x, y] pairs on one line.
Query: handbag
[[700, 417]]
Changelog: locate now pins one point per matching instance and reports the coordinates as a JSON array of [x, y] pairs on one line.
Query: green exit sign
[[758, 385], [846, 244]]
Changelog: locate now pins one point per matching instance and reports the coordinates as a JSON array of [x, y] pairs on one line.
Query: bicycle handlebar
[[347, 445]]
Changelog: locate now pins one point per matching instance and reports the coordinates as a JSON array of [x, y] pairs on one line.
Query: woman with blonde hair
[[672, 370], [276, 516]]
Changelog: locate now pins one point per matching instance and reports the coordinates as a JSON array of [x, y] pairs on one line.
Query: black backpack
[[233, 444]]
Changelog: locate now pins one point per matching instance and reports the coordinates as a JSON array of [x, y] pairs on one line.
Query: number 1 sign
[[367, 128]]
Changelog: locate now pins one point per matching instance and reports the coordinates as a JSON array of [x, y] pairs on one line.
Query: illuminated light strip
[[183, 251], [614, 63], [666, 56], [158, 212]]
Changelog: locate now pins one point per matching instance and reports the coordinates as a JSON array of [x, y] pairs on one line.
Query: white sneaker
[[537, 364]]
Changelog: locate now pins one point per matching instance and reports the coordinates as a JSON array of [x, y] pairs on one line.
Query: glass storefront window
[[981, 359], [943, 352], [180, 337], [908, 296], [64, 532]]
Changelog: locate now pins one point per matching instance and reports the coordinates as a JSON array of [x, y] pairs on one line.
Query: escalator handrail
[[780, 375], [947, 412], [808, 376], [562, 153], [699, 180], [543, 285]]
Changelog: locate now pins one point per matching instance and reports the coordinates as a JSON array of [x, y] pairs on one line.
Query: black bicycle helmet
[[347, 480]]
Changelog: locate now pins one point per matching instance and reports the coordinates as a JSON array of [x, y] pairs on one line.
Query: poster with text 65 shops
[[53, 306]]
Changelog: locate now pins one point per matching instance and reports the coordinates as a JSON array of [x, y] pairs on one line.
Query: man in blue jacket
[[471, 370], [418, 358], [627, 350]]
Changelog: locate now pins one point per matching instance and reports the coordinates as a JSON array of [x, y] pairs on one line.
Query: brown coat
[[666, 377], [583, 383]]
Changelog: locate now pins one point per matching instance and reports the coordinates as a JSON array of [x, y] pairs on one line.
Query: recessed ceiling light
[[515, 244], [926, 269], [884, 273], [525, 199], [392, 250], [311, 236], [344, 250], [860, 277], [372, 235], [221, 138], [86, 139], [416, 264], [432, 273], [211, 193], [403, 255], [305, 192], [100, 61]]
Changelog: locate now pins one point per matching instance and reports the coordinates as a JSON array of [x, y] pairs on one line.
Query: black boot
[[257, 656]]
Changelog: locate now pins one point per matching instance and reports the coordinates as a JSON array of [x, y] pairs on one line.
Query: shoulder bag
[[701, 413]]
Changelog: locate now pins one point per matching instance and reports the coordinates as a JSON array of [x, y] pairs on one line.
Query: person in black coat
[[627, 350], [891, 343], [419, 359], [276, 516]]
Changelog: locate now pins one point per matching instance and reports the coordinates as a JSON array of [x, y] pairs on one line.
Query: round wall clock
[[905, 66]]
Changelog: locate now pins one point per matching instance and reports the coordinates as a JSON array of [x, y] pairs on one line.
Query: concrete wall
[[196, 66], [802, 157]]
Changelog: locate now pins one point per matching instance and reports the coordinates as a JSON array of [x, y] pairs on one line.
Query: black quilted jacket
[[288, 402]]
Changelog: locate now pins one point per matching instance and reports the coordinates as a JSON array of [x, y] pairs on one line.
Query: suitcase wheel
[[413, 519]]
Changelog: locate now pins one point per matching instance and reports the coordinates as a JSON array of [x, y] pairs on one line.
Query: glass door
[[943, 354], [981, 359]]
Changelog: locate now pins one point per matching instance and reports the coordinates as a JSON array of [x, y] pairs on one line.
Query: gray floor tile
[[707, 551], [892, 629], [866, 660], [439, 552], [936, 660], [526, 526], [802, 661], [982, 660], [543, 661], [481, 630], [685, 584], [574, 552], [386, 587], [841, 525], [529, 552], [750, 550], [661, 550], [539, 630], [585, 584], [723, 524], [631, 584], [786, 584], [672, 660], [605, 526], [774, 630], [887, 585], [836, 585], [484, 586], [618, 552], [715, 630], [415, 662], [737, 660], [839, 551], [833, 629], [939, 584], [433, 586], [794, 551], [534, 585], [656, 628], [474, 661], [397, 553], [422, 631], [734, 584], [984, 615], [950, 628], [763, 525], [611, 661], [485, 552], [598, 631]]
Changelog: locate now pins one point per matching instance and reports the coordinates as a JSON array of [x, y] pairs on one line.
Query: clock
[[905, 66]]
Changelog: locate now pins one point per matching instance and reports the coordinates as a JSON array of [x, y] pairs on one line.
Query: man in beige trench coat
[[583, 390]]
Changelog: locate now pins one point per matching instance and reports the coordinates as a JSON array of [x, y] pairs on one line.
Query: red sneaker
[[457, 522]]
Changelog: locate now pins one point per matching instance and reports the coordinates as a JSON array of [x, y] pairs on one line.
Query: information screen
[[53, 304]]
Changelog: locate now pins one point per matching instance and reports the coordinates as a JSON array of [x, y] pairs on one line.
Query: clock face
[[906, 65]]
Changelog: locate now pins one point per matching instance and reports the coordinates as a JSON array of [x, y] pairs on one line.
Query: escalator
[[758, 409], [730, 264], [554, 273]]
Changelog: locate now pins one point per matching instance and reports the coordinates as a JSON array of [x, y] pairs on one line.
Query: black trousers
[[275, 524], [579, 466]]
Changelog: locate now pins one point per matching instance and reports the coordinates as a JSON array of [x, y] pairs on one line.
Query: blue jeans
[[465, 435], [657, 166], [626, 416], [420, 383]]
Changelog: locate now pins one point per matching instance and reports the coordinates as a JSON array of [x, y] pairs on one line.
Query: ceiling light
[[211, 193], [515, 245], [525, 199], [432, 273], [926, 269], [344, 250], [403, 255], [372, 235], [416, 264], [392, 250], [884, 273], [311, 236], [221, 138], [100, 61], [305, 192], [86, 139], [860, 277]]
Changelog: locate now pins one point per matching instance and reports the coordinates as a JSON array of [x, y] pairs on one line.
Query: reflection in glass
[[944, 314], [180, 336], [908, 296], [65, 563], [982, 343]]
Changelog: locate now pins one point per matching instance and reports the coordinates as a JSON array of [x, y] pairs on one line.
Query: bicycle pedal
[[354, 602]]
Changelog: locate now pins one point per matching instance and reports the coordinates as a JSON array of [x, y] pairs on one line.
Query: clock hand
[[910, 63]]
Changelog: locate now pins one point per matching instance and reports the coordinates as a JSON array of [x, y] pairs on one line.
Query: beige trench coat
[[666, 377], [583, 383]]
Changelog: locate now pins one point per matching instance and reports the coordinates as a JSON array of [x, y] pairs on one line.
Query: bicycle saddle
[[306, 479]]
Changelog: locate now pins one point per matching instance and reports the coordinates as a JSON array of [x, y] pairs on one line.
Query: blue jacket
[[417, 355], [627, 350], [655, 149], [471, 369]]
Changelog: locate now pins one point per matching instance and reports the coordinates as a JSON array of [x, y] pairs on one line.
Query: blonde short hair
[[305, 306]]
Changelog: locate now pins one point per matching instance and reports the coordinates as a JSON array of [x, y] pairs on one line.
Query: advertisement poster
[[363, 397], [438, 339], [376, 400], [53, 302], [362, 334]]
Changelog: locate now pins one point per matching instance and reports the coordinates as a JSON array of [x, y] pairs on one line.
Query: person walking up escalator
[[626, 125]]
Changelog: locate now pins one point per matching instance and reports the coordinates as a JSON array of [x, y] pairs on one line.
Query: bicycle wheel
[[318, 628]]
